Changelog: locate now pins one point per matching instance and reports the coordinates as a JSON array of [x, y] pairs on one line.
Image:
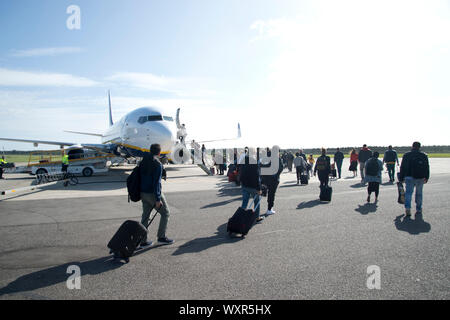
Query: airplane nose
[[165, 138]]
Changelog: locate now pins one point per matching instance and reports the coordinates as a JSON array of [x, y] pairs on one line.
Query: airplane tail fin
[[239, 131], [110, 112]]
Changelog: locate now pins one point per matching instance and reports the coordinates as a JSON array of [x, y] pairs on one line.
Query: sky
[[292, 73]]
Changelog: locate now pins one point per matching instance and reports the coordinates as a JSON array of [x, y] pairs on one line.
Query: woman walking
[[353, 163], [373, 169], [310, 164]]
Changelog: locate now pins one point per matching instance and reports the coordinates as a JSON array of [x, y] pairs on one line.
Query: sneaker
[[145, 244], [165, 240], [270, 212], [259, 219], [408, 212]]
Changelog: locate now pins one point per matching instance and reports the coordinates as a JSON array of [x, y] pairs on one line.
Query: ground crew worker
[[2, 164], [65, 163]]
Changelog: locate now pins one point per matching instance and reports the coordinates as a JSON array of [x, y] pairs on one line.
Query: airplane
[[133, 134]]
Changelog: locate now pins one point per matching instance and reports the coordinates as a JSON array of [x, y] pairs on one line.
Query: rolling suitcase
[[401, 193], [129, 236], [303, 179], [242, 220], [326, 193]]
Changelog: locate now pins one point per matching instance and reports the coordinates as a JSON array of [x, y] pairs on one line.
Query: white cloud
[[179, 86], [39, 52], [12, 78]]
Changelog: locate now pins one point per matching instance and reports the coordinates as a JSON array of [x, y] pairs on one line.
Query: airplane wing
[[37, 142], [109, 148], [85, 133]]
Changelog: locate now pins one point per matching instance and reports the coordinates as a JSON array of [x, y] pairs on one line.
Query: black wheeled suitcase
[[401, 193], [325, 193], [127, 239], [303, 179], [242, 221]]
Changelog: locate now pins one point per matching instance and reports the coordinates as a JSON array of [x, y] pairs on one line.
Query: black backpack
[[372, 167], [134, 185], [418, 166]]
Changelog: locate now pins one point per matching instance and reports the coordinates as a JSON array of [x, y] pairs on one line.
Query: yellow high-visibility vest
[[65, 159]]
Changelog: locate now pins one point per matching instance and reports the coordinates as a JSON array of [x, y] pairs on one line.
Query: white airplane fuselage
[[138, 130]]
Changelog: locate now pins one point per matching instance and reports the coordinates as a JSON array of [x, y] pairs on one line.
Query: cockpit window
[[167, 118], [144, 119], [141, 120]]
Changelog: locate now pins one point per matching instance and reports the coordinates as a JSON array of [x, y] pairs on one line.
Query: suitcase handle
[[253, 201]]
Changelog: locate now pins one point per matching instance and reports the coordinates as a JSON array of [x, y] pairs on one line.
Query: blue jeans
[[410, 184], [246, 194]]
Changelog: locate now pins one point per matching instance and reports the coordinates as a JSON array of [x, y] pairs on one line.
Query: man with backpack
[[390, 158], [323, 168], [250, 178], [363, 155], [415, 172], [151, 171], [373, 171]]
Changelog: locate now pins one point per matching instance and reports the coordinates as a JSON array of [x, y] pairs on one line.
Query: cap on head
[[416, 145]]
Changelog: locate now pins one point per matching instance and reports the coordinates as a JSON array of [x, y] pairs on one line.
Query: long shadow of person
[[54, 275], [358, 185], [411, 226], [367, 208], [310, 204], [200, 244], [221, 203]]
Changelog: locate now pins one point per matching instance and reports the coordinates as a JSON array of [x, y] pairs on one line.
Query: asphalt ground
[[307, 250]]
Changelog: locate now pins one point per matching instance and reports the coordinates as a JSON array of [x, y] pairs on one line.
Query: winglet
[[110, 112], [239, 130]]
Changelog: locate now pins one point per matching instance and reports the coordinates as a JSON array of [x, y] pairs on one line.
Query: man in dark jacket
[[152, 197], [323, 168], [338, 159], [415, 171], [363, 155], [250, 177], [272, 182], [390, 158], [302, 154]]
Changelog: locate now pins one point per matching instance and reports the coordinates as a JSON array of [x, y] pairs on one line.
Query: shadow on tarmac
[[55, 275], [310, 204], [200, 244], [367, 208], [358, 185], [416, 226]]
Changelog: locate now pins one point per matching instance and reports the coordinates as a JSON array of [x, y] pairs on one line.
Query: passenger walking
[[363, 155], [151, 194], [290, 161], [272, 182], [338, 159], [353, 163], [250, 179], [415, 171], [300, 166], [323, 168], [311, 164], [302, 154], [390, 158], [373, 170]]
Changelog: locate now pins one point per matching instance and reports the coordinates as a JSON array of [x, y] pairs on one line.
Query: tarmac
[[307, 250]]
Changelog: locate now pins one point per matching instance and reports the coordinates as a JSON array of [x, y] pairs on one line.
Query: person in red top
[[353, 163]]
